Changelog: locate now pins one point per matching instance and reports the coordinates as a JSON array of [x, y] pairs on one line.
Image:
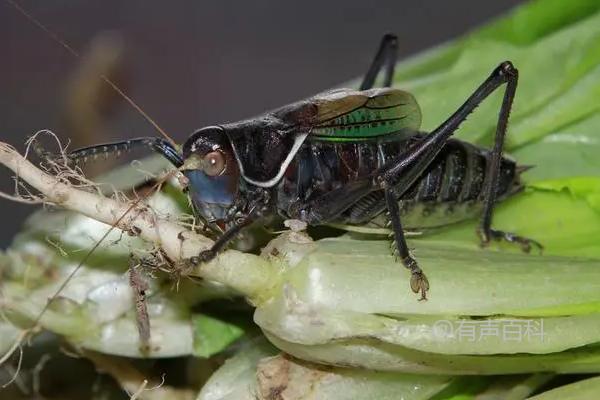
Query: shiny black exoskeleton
[[348, 157]]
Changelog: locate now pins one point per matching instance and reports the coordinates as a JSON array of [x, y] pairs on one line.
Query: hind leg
[[397, 175], [525, 243], [385, 58], [485, 231]]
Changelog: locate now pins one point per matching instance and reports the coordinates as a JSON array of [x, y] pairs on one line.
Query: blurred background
[[190, 63]]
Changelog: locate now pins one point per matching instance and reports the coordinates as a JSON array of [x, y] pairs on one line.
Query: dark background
[[192, 63]]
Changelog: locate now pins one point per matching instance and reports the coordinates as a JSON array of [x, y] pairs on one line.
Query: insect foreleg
[[386, 57], [222, 241]]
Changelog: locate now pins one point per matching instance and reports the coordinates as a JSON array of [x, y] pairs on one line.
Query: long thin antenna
[[75, 54]]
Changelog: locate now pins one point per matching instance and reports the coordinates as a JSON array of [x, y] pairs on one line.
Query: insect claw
[[419, 283]]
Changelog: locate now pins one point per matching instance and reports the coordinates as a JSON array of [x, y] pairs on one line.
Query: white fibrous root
[[176, 242]]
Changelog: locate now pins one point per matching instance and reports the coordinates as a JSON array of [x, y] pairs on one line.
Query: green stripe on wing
[[349, 115]]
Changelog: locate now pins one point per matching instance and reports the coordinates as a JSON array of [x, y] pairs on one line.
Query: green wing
[[350, 115]]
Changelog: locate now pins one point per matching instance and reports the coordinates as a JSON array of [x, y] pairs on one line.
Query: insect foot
[[418, 280], [204, 256], [525, 243]]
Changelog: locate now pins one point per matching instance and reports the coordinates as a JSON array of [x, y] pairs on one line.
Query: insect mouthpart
[[193, 162], [212, 195], [212, 191]]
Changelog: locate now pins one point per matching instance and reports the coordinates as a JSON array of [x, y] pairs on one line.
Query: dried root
[[65, 187]]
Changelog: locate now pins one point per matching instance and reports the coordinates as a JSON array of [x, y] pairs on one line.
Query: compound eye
[[214, 163]]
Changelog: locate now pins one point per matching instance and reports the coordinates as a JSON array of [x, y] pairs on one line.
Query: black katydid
[[345, 157]]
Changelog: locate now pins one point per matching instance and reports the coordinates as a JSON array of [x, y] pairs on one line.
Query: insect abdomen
[[452, 187], [448, 191], [458, 174]]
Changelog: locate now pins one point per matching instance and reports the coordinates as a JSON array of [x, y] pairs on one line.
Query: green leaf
[[536, 19], [555, 121], [570, 151], [564, 224], [558, 74], [587, 188], [212, 335], [585, 389]]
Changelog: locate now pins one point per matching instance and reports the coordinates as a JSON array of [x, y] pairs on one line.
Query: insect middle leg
[[384, 58], [418, 280], [396, 176]]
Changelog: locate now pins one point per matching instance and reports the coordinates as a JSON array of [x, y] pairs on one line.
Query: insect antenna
[[104, 78]]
